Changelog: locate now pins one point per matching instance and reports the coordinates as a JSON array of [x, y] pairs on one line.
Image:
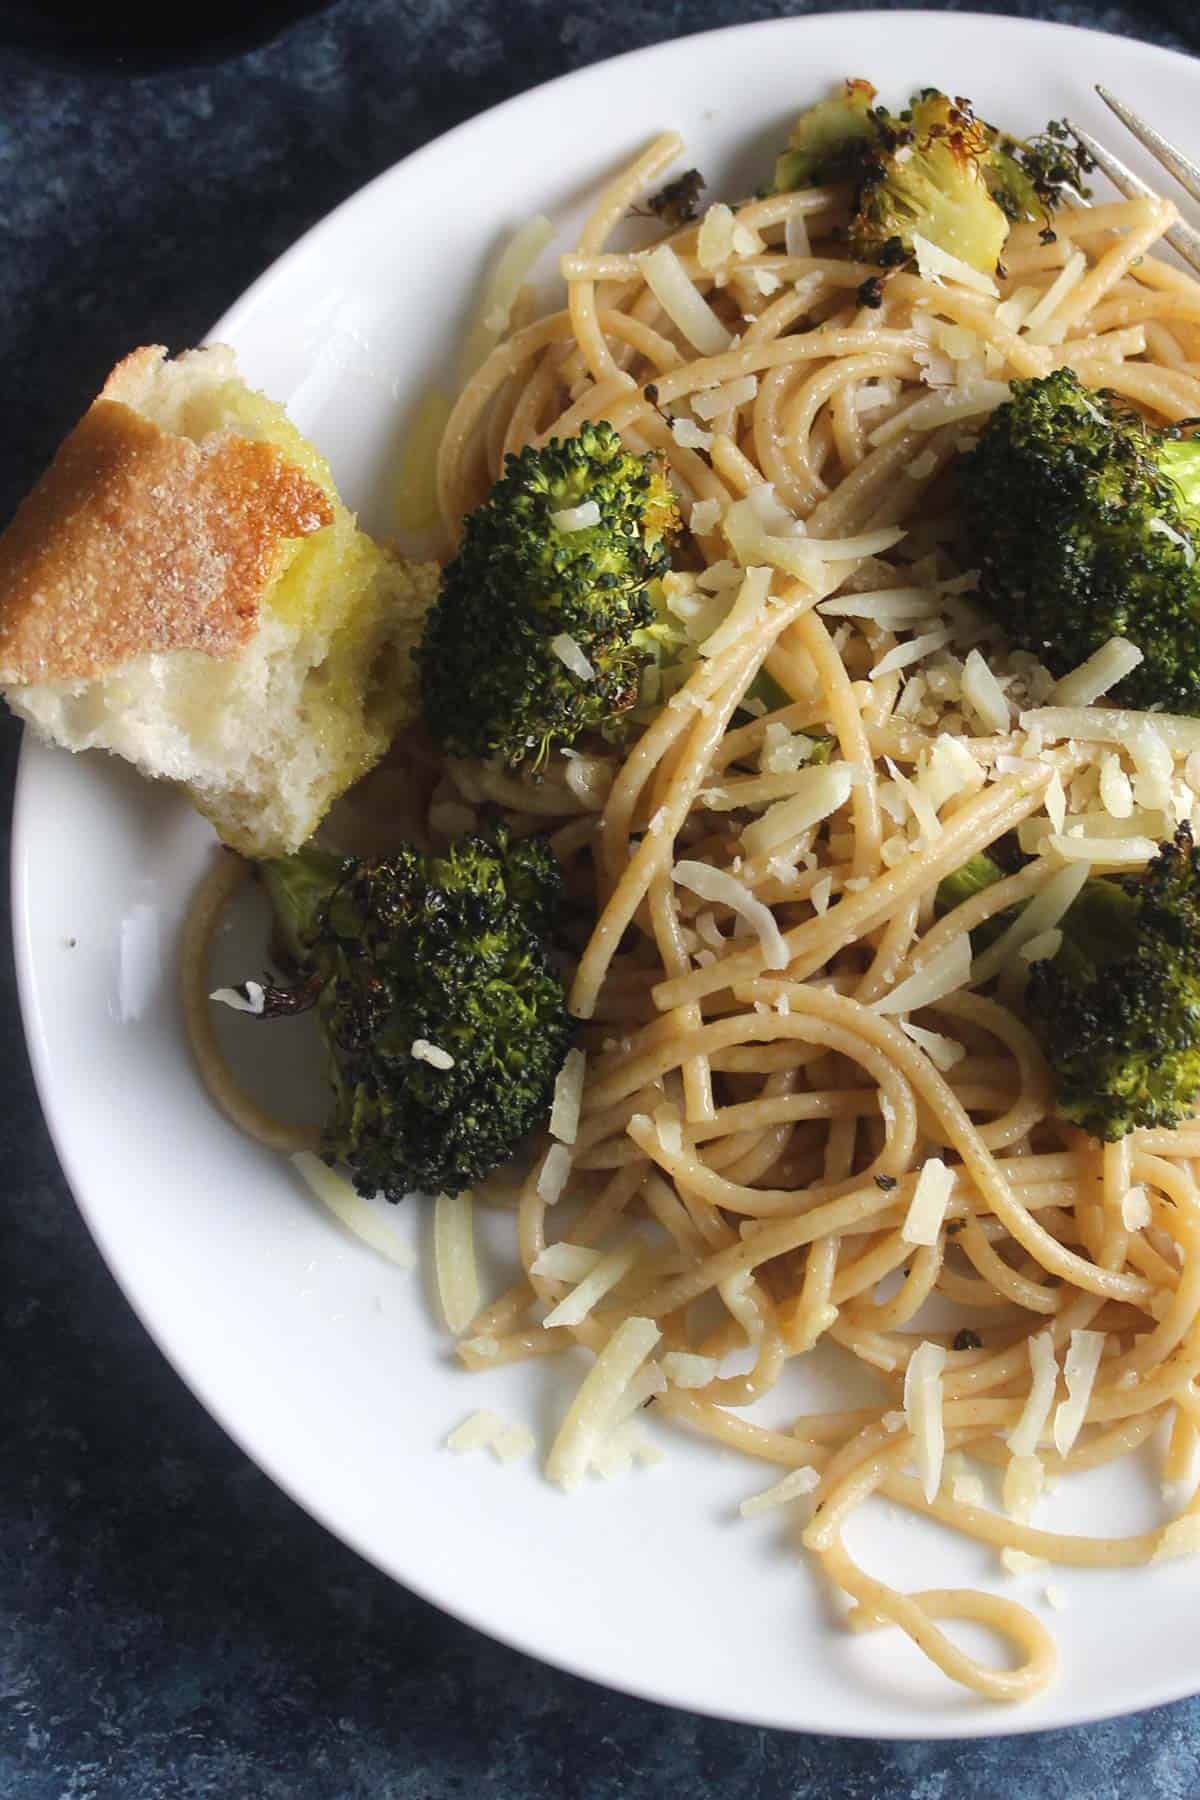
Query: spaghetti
[[791, 1072]]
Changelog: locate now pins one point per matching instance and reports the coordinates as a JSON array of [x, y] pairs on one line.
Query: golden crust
[[136, 540]]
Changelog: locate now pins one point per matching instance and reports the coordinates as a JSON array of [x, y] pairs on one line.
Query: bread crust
[[138, 540]]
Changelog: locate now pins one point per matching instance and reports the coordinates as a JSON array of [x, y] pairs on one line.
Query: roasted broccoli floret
[[444, 1021], [1117, 1009], [1080, 517], [934, 171], [830, 141], [545, 618], [677, 202], [930, 181]]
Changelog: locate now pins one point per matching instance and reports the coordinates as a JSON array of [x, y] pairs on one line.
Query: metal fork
[[1182, 237]]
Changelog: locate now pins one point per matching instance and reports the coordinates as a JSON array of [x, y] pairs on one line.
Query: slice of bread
[[185, 588]]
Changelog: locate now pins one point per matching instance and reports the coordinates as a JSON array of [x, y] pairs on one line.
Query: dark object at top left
[[137, 40]]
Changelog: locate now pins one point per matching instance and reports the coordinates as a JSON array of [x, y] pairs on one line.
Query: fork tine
[[1185, 171], [1183, 238]]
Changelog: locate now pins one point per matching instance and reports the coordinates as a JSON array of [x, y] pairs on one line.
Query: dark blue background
[[170, 1624]]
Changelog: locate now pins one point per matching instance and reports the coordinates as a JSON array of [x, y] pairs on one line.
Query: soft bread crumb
[[186, 590]]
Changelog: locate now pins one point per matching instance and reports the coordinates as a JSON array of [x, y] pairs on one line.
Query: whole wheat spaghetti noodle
[[828, 1125]]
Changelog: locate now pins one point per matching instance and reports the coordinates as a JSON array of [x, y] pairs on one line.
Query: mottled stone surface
[[170, 1624]]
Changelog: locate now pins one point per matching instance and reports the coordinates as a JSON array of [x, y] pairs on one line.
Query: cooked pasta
[[818, 1111]]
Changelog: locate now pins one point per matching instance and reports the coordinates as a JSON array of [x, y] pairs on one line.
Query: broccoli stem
[[978, 873], [299, 888]]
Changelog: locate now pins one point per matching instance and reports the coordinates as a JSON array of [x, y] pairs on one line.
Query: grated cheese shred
[[1026, 1434], [945, 972], [568, 1097], [923, 1410], [927, 1209], [454, 1259], [351, 1210], [719, 886], [1079, 1372], [590, 1413]]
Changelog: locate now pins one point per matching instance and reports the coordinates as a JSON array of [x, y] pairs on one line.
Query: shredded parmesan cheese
[[1023, 1439], [746, 608], [1042, 914], [565, 1261], [927, 1209], [500, 293], [1079, 1372], [965, 402], [941, 975], [1113, 725], [252, 1001], [1102, 671], [894, 608], [943, 1052], [983, 693], [476, 1432], [709, 403], [1019, 1562], [923, 1410], [1068, 277], [575, 1307], [1024, 1480], [819, 792], [796, 240], [1135, 1209], [683, 304], [554, 1173], [936, 264], [576, 518], [512, 1442], [689, 436], [714, 240], [571, 656], [719, 886], [454, 1259], [1109, 853], [568, 1097], [901, 656], [794, 1486], [683, 1369], [591, 1411], [351, 1210]]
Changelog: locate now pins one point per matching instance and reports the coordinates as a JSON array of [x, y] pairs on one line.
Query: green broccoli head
[[935, 171], [930, 181], [1117, 1009], [831, 141], [1080, 517], [449, 950], [528, 584]]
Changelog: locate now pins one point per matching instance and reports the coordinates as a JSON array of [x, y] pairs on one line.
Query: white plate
[[322, 1362]]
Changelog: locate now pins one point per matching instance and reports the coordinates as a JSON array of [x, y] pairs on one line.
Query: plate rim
[[1007, 1722]]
